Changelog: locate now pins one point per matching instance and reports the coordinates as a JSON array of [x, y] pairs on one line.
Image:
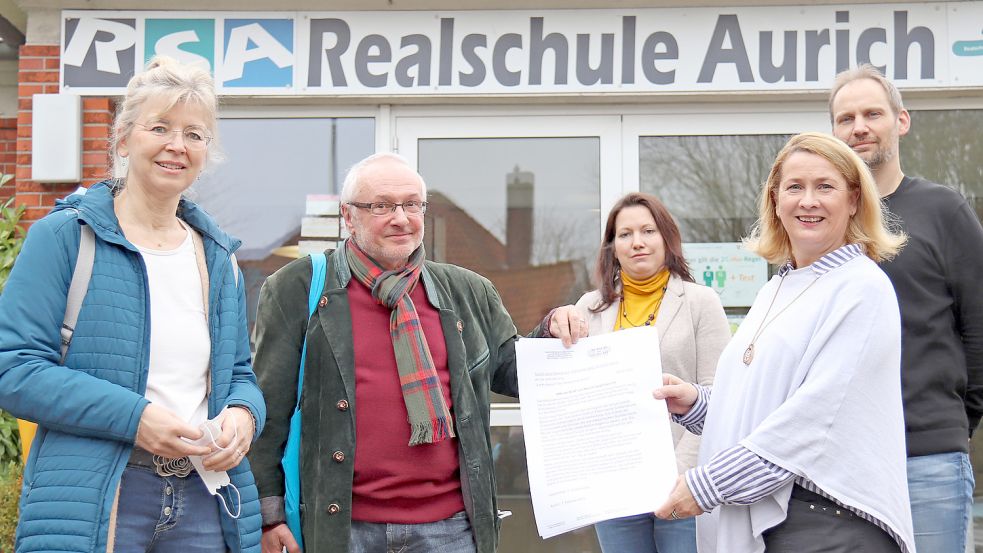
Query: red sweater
[[395, 482]]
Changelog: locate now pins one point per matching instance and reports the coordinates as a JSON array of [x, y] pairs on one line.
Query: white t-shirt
[[180, 347]]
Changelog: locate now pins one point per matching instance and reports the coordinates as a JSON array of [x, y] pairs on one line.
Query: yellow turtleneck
[[640, 300]]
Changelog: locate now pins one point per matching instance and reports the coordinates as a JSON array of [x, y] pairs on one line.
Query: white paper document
[[598, 446]]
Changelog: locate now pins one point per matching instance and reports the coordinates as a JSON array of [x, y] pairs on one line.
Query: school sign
[[937, 45]]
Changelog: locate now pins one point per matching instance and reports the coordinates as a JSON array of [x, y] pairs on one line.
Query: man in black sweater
[[937, 279]]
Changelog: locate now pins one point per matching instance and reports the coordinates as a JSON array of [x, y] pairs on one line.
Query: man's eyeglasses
[[194, 137], [412, 207]]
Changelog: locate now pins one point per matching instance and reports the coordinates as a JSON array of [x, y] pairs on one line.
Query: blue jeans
[[166, 514], [647, 534], [451, 535], [941, 491]]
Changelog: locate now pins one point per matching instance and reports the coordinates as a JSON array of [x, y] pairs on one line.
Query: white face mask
[[216, 480]]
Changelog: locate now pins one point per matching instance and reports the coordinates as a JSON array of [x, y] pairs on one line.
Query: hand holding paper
[[598, 445]]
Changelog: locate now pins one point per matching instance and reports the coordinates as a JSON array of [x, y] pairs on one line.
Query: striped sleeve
[[693, 419], [735, 476]]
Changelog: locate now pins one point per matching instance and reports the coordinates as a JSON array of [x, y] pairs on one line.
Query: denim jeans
[[647, 534], [451, 535], [941, 491], [166, 514]]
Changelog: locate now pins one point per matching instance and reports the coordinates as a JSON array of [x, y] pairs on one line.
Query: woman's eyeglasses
[[194, 137]]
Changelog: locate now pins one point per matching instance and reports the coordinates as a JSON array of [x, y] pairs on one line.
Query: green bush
[[11, 476], [11, 469], [9, 439], [11, 237], [11, 240]]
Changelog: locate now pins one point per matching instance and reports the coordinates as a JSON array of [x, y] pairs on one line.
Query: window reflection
[[710, 184], [521, 211], [258, 193], [944, 147]]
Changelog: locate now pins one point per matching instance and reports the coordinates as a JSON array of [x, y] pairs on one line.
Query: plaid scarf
[[430, 420]]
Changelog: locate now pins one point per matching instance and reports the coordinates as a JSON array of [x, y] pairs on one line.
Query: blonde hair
[[871, 226], [165, 78]]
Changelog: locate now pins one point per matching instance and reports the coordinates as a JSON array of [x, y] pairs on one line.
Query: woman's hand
[[237, 435], [163, 433], [679, 395], [680, 504], [568, 325]]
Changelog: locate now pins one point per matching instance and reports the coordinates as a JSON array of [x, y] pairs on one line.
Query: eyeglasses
[[412, 207], [194, 137]]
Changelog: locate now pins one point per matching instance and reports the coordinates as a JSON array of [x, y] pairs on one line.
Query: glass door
[[519, 200]]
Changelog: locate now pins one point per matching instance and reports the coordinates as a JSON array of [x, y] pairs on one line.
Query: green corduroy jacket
[[480, 340]]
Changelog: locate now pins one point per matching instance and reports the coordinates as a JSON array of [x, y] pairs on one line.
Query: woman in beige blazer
[[643, 279]]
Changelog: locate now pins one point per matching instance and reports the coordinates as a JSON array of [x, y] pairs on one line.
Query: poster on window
[[734, 273]]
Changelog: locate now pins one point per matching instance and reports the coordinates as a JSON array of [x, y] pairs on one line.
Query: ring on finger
[[673, 515]]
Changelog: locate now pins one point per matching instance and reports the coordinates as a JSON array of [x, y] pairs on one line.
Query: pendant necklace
[[648, 320], [749, 352]]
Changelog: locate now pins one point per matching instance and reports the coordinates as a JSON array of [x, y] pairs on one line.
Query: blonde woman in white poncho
[[803, 439]]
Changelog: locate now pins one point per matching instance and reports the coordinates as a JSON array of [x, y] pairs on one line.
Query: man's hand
[[568, 325], [278, 537]]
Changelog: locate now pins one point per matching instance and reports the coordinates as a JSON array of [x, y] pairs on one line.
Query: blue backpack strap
[[319, 264], [291, 450]]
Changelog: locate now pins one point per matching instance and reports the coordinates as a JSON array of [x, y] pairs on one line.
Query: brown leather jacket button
[[334, 509], [338, 456], [323, 302], [342, 405]]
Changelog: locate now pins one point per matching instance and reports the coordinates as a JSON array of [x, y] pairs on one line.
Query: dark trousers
[[817, 525]]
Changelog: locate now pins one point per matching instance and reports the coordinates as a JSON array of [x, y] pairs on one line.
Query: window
[[943, 146], [710, 184], [258, 193]]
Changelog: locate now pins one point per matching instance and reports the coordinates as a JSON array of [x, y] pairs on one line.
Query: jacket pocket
[[30, 466], [480, 360]]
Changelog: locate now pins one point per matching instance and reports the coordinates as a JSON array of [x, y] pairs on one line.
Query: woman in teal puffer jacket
[[160, 347]]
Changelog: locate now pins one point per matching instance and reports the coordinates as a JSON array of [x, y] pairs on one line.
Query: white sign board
[[528, 52]]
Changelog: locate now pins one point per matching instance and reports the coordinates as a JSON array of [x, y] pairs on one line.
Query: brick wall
[[8, 155], [38, 74]]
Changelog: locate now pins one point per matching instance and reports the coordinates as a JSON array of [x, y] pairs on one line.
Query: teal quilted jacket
[[88, 409]]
